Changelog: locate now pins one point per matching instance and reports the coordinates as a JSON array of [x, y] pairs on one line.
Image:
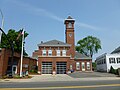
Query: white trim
[[52, 56], [69, 19]]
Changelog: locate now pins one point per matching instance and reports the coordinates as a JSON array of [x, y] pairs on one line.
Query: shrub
[[16, 77], [33, 71], [112, 70], [116, 72], [4, 77]]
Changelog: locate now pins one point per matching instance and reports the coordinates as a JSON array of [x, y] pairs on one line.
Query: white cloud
[[40, 11], [37, 11], [48, 14], [87, 26]]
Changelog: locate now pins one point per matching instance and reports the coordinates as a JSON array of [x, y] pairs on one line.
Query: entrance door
[[83, 66], [46, 67], [14, 69], [61, 67]]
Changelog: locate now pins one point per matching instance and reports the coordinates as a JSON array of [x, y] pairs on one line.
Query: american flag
[[20, 34]]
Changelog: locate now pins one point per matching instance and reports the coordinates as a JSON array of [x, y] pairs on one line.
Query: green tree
[[16, 38], [88, 45], [94, 65]]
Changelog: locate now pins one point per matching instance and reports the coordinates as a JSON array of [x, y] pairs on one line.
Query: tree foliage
[[14, 37], [93, 66], [88, 45]]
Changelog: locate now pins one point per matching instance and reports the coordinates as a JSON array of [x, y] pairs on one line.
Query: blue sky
[[44, 20]]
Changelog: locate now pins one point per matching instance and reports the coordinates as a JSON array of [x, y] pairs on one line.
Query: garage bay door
[[61, 67], [46, 67]]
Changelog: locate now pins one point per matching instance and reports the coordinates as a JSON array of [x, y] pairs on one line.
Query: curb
[[50, 80]]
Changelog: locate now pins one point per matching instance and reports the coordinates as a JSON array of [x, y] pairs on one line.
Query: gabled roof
[[54, 43], [117, 50], [81, 56]]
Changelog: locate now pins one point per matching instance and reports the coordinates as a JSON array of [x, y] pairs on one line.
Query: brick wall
[[5, 56]]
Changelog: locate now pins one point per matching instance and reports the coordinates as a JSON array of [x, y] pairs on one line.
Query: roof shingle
[[117, 50], [54, 43], [81, 56]]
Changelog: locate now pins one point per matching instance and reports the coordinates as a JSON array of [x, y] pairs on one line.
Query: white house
[[105, 61]]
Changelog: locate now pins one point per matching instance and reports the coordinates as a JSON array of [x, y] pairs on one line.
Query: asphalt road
[[63, 85]]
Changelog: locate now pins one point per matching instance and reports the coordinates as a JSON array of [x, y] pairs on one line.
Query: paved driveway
[[90, 74]]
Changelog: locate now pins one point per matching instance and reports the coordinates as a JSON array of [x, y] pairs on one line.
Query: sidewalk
[[59, 77]]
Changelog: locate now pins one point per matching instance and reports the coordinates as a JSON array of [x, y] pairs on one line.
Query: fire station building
[[57, 57]]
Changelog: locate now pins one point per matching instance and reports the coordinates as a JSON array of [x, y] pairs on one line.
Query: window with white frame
[[43, 52], [77, 65], [58, 52], [118, 60], [71, 68], [111, 60], [88, 65], [63, 52], [49, 52]]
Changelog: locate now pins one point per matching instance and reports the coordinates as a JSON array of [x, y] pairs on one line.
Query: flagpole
[[22, 54]]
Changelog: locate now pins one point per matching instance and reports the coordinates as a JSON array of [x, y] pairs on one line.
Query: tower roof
[[69, 17]]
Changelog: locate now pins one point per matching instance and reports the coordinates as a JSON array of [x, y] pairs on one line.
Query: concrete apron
[[58, 77]]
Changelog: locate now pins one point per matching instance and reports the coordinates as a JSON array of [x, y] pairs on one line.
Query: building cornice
[[53, 56]]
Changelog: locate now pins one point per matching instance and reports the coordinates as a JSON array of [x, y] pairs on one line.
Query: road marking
[[62, 87]]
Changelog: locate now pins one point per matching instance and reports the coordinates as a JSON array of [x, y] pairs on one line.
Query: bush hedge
[[113, 71]]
